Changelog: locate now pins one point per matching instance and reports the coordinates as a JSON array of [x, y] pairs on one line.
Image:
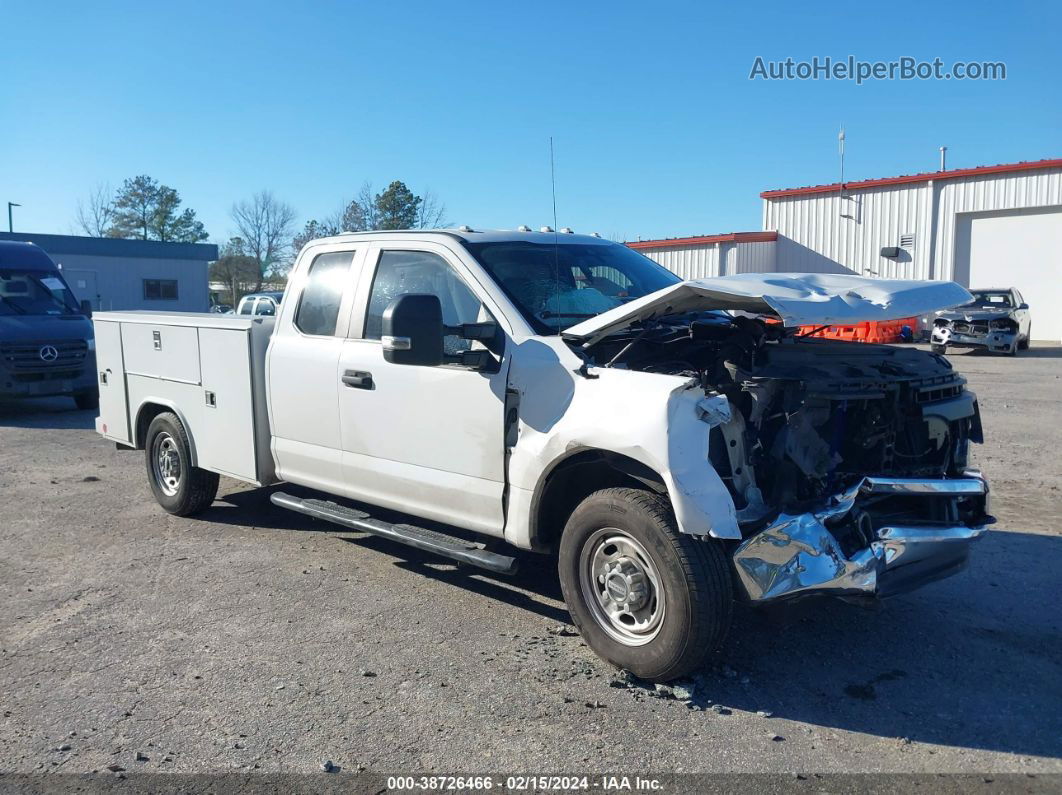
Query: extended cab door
[[301, 367], [423, 440]]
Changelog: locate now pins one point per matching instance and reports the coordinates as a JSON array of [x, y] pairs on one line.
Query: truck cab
[[563, 394], [47, 346]]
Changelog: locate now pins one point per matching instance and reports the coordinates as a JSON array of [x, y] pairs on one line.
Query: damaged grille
[[976, 329]]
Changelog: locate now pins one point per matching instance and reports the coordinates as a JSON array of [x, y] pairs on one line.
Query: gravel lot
[[253, 639]]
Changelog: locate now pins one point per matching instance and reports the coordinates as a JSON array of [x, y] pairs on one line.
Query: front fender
[[651, 418]]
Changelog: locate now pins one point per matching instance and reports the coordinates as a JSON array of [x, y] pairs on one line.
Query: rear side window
[[246, 305], [319, 305]]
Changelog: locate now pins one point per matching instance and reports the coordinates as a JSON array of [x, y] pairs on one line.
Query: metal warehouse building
[[993, 226], [130, 274]]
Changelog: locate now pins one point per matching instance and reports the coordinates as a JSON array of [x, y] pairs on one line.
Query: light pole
[[10, 226]]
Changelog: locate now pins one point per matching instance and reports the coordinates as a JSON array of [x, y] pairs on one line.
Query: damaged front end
[[838, 550], [847, 463]]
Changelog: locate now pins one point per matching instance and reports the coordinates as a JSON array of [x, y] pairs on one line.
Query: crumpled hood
[[799, 299], [974, 313], [22, 328]]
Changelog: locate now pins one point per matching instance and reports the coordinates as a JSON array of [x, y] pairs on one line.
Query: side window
[[245, 306], [404, 272], [265, 306], [319, 305]]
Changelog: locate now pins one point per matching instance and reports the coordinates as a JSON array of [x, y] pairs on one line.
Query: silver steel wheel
[[166, 463], [621, 587]]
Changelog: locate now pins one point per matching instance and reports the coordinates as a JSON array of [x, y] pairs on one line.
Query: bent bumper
[[798, 555], [1000, 341]]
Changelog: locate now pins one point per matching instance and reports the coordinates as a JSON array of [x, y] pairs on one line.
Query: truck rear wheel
[[179, 487], [645, 596]]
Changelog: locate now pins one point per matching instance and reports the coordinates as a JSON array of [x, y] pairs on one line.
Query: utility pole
[[10, 226]]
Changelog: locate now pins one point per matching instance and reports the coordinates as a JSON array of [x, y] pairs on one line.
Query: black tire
[[941, 349], [694, 575], [87, 400], [194, 489], [1024, 344]]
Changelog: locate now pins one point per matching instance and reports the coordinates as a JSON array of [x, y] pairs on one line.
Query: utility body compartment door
[[113, 421]]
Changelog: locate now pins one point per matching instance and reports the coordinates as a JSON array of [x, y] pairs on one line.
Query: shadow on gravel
[[49, 413], [974, 661]]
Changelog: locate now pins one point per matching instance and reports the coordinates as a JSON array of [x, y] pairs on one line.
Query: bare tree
[[96, 213], [366, 199], [265, 224], [431, 214]]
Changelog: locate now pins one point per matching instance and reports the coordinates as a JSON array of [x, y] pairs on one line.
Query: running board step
[[419, 537]]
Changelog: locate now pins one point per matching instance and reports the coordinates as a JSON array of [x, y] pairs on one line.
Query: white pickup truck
[[677, 445]]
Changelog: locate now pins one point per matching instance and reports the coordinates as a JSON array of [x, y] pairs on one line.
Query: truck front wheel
[[645, 596], [179, 487]]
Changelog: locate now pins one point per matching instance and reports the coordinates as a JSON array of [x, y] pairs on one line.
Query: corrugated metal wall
[[823, 232], [1002, 192], [689, 262], [715, 259]]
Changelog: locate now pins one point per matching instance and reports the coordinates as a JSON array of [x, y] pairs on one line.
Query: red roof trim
[[733, 237], [954, 174]]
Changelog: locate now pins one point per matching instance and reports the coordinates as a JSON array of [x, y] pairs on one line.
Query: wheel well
[[576, 478], [148, 412]]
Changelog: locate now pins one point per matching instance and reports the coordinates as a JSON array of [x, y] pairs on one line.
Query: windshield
[[33, 292], [992, 299], [558, 285]]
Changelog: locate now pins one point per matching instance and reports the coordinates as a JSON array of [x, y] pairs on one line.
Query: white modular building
[[114, 274]]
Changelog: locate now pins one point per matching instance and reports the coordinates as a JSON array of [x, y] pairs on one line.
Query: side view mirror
[[413, 330], [86, 307], [1023, 306]]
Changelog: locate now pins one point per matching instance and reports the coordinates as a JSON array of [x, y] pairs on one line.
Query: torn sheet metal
[[799, 299], [797, 554], [661, 421]]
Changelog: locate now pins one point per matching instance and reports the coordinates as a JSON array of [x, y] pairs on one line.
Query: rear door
[[424, 440], [301, 369]]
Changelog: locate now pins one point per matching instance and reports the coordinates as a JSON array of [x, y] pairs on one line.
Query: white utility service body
[[442, 375], [208, 369]]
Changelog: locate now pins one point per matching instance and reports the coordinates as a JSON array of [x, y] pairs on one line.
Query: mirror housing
[[1023, 306], [413, 330], [86, 307]]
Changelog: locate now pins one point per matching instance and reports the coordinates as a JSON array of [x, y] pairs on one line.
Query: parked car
[[565, 394], [222, 309], [995, 320], [47, 346], [260, 304]]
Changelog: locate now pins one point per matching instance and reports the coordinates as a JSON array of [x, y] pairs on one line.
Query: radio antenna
[[556, 242]]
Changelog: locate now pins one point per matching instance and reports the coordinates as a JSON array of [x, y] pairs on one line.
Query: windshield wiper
[[546, 314]]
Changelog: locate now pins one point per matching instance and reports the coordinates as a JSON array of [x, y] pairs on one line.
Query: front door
[[423, 440]]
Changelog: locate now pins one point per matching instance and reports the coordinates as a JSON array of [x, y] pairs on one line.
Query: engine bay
[[811, 417]]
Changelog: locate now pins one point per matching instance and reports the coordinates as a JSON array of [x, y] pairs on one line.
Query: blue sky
[[658, 130]]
